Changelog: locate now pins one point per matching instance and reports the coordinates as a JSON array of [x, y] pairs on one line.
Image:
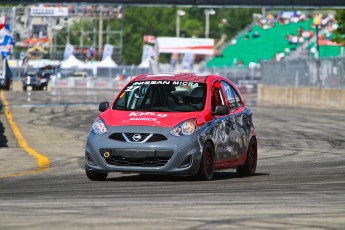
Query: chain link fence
[[308, 72], [237, 73]]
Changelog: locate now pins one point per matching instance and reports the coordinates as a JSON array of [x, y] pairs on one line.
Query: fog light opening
[[89, 159], [186, 162], [106, 155]]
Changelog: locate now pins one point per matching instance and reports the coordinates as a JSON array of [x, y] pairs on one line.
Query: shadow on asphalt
[[3, 138], [148, 177]]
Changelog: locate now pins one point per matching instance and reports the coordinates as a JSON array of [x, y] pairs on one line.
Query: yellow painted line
[[42, 161]]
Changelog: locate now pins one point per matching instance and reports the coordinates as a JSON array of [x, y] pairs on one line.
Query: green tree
[[161, 21], [140, 21], [340, 31]]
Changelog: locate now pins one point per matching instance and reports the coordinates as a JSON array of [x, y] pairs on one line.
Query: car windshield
[[168, 96]]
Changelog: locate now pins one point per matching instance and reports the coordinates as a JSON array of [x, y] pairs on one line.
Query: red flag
[[149, 39], [2, 22]]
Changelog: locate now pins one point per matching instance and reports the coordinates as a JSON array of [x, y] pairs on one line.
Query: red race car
[[178, 124]]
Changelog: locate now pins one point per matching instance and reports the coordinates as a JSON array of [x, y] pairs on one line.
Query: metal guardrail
[[306, 72], [90, 83]]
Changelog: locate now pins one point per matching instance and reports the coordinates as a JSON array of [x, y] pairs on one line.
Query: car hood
[[144, 118]]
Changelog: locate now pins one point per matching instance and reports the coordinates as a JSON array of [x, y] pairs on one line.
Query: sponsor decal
[[138, 114], [101, 84], [49, 11], [146, 116], [131, 88], [143, 119], [182, 83]]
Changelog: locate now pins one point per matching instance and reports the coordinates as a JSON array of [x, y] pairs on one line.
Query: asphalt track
[[300, 180]]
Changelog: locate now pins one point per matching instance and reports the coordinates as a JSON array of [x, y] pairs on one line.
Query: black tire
[[249, 167], [95, 176], [206, 169], [24, 88]]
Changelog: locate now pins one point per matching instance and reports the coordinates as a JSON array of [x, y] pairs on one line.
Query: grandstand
[[326, 51], [261, 44]]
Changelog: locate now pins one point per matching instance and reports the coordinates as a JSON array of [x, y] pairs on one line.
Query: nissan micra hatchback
[[177, 124]]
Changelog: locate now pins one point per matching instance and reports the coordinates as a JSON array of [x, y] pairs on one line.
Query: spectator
[[256, 34]]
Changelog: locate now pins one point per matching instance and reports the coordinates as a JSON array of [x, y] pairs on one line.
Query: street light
[[317, 22], [179, 14], [208, 12]]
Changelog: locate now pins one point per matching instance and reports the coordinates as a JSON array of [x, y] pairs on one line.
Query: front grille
[[128, 137], [157, 137], [137, 157], [117, 137], [143, 136], [147, 162]]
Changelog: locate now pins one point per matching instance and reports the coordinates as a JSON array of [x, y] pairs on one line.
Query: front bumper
[[175, 155]]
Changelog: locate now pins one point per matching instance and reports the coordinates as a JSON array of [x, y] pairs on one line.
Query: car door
[[219, 129], [239, 123]]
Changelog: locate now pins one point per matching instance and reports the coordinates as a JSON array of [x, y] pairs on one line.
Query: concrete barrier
[[18, 86], [89, 83], [112, 84], [302, 97]]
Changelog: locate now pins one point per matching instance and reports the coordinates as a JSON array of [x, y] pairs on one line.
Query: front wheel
[[206, 169], [95, 176], [249, 167]]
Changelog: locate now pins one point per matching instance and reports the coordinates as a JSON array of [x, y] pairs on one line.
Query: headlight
[[99, 127], [185, 128]]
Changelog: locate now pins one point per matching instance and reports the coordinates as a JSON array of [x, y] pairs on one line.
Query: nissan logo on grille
[[136, 137]]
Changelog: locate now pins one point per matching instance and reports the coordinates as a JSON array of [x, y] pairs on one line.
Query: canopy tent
[[146, 63], [106, 63], [73, 62]]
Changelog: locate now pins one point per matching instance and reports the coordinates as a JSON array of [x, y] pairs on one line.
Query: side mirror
[[221, 110], [103, 106]]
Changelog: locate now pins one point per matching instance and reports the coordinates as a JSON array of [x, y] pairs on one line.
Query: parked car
[[34, 80], [178, 124], [6, 75], [38, 79]]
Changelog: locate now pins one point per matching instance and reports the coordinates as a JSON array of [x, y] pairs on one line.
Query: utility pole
[[100, 34]]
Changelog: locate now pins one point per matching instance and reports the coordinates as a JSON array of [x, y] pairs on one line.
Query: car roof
[[193, 77]]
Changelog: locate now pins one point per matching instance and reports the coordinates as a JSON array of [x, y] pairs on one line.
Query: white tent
[[72, 62], [146, 63], [107, 63]]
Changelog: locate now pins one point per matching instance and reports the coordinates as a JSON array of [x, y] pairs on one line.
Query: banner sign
[[149, 39], [148, 52], [6, 41], [108, 51], [49, 11], [68, 51], [185, 45]]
